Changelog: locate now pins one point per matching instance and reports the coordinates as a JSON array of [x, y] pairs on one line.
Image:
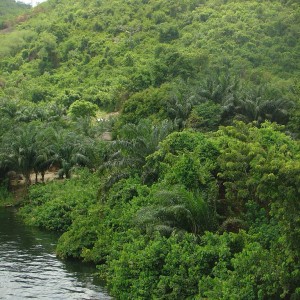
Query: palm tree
[[136, 142], [175, 209], [68, 150], [179, 108], [256, 108], [219, 89], [8, 108], [127, 154], [20, 151]]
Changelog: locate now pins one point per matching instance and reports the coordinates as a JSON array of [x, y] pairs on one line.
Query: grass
[[6, 197]]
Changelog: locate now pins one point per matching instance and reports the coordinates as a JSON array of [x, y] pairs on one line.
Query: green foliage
[[81, 234], [134, 53], [169, 268], [168, 34], [175, 151], [197, 194], [205, 117], [21, 153], [140, 260], [9, 9], [81, 108], [96, 241], [144, 104], [174, 209], [219, 219], [135, 143], [6, 199], [54, 206]]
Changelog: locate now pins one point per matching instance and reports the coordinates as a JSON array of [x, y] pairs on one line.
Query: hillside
[[107, 51], [9, 9], [180, 121]]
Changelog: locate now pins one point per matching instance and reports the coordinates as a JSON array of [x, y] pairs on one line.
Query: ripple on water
[[29, 268]]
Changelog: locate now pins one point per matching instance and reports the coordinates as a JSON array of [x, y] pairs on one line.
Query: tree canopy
[[172, 128]]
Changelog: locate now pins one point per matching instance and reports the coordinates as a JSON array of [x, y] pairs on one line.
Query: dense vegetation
[[9, 10], [195, 192]]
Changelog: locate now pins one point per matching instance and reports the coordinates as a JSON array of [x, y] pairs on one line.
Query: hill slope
[[106, 51], [192, 191], [10, 9]]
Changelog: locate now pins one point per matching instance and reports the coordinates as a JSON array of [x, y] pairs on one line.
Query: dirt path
[[49, 176], [18, 187]]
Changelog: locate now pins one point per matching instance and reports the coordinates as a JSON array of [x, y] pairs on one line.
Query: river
[[30, 269]]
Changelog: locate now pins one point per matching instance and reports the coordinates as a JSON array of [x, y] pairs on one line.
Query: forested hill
[[181, 122], [107, 52], [9, 9]]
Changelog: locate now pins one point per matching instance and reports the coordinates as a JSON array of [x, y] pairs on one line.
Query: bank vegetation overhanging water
[[195, 192], [199, 213], [29, 267]]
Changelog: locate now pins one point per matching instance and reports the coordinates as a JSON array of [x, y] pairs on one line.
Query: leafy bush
[[81, 108], [198, 213], [55, 206]]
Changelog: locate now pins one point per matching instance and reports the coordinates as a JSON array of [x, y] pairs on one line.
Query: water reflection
[[30, 269]]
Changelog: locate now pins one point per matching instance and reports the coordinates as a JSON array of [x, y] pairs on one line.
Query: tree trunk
[[43, 176], [27, 179], [68, 174]]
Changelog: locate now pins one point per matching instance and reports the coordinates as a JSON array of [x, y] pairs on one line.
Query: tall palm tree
[[136, 142], [127, 154], [257, 108], [19, 148], [68, 150], [8, 108], [219, 88], [178, 109], [42, 164]]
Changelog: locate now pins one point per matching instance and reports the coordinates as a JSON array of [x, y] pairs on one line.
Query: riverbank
[[29, 267], [17, 200], [18, 189], [9, 199]]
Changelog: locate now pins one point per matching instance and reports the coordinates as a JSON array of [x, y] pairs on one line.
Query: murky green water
[[30, 269]]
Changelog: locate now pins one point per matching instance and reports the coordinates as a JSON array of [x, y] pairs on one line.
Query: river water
[[30, 269]]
